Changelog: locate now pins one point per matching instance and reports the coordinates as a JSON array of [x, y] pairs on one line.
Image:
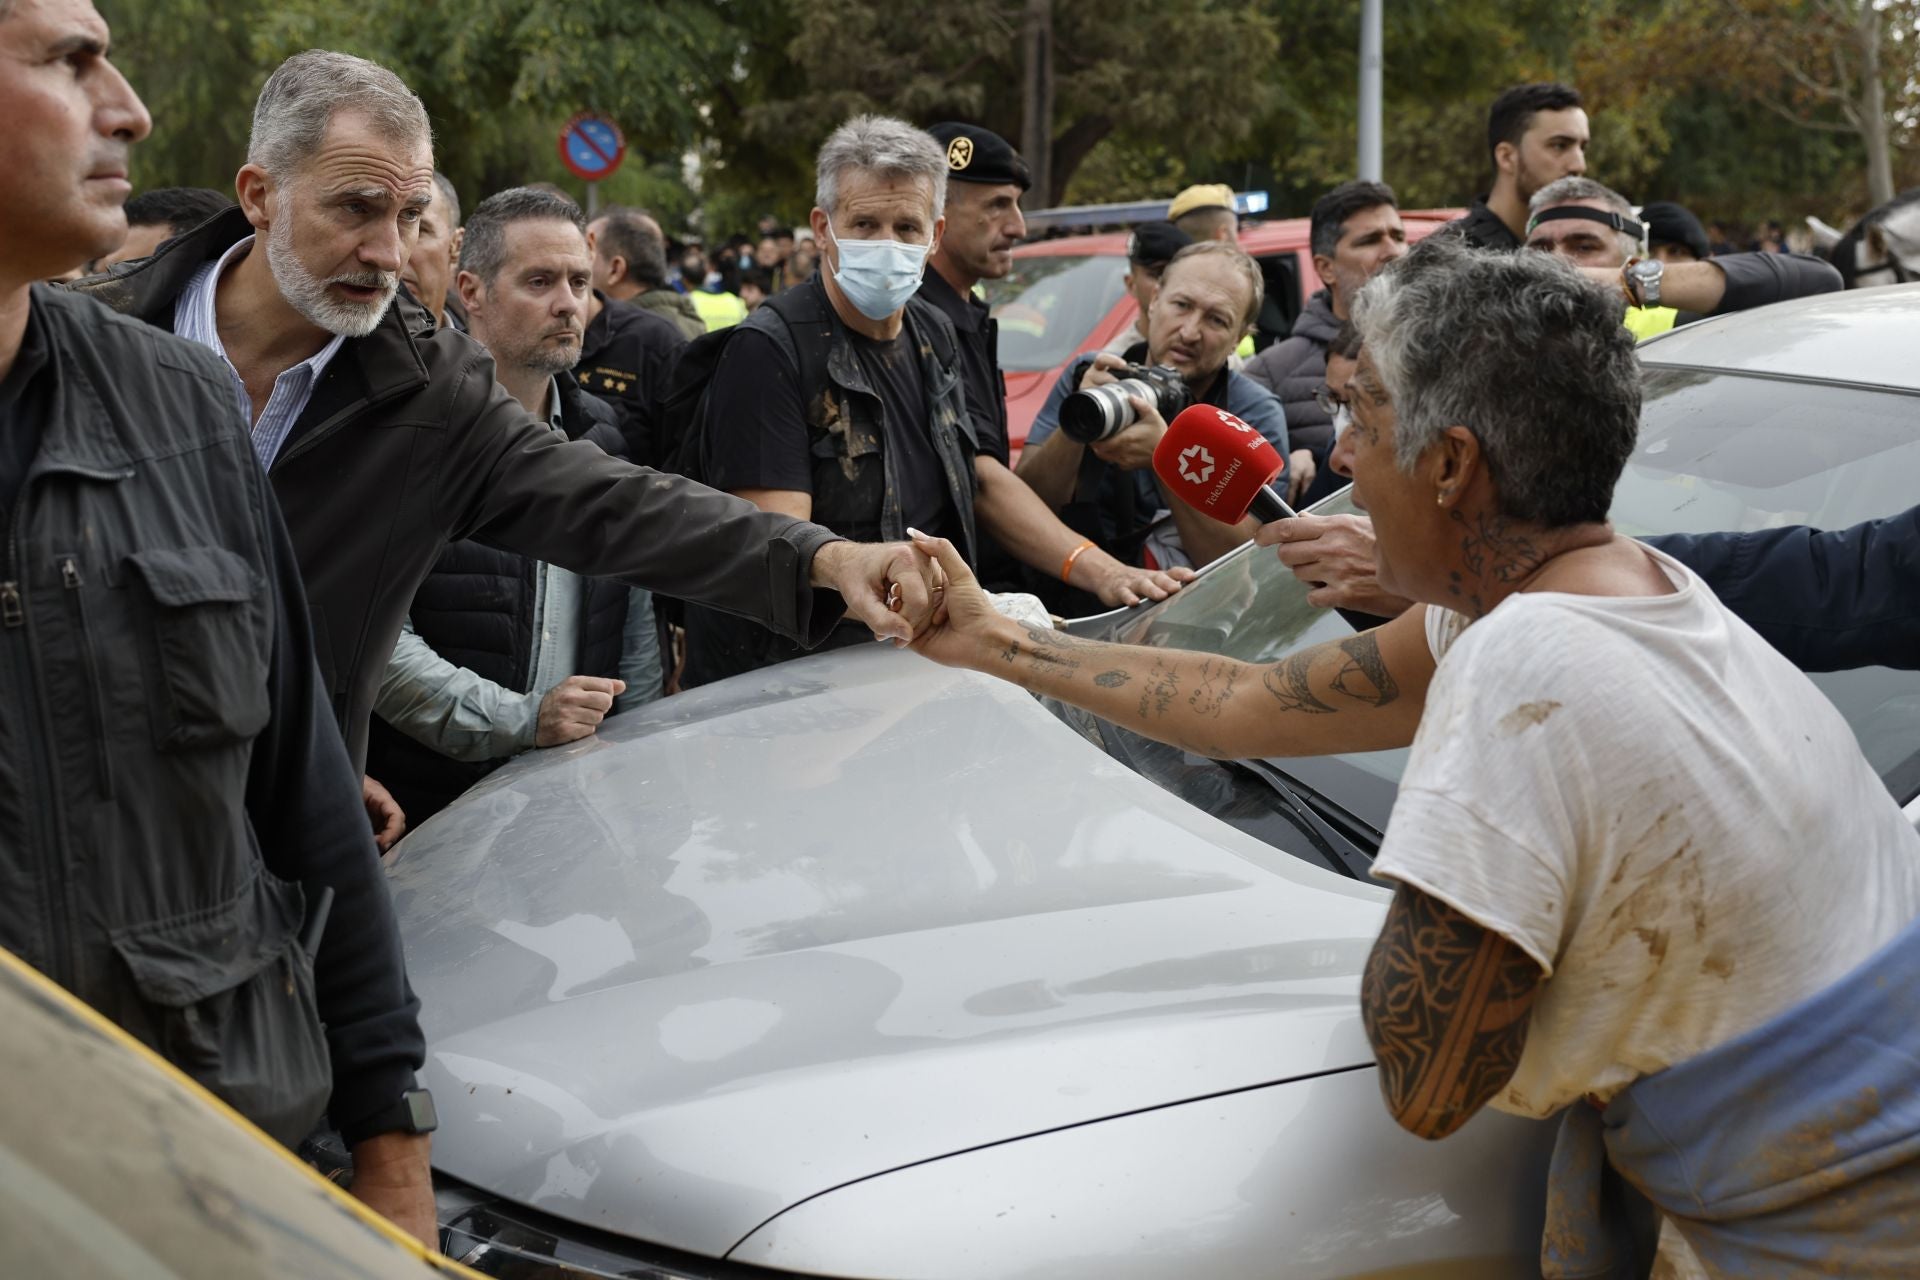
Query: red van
[[1064, 297]]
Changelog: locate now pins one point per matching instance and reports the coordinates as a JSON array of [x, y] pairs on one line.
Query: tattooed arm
[[1446, 1005], [1360, 693]]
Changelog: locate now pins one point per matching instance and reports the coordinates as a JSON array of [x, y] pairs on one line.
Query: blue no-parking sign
[[591, 146]]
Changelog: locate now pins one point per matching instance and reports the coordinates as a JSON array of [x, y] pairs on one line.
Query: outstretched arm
[[1446, 1005], [1361, 693]]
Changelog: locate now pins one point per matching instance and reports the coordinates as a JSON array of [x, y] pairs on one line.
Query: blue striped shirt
[[193, 319]]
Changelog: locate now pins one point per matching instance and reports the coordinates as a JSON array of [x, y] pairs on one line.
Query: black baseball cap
[[980, 155], [1153, 244], [1669, 223]]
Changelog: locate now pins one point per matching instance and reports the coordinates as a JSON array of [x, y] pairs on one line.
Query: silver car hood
[[845, 915]]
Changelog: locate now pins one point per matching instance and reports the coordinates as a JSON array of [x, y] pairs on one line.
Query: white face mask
[[878, 276]]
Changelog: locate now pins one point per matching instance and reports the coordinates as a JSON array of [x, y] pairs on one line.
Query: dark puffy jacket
[[1828, 600], [172, 786], [476, 610], [1295, 368], [409, 443]]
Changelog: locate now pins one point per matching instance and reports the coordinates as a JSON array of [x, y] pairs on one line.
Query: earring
[[1440, 499]]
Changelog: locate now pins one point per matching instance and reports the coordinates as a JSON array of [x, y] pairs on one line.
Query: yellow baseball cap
[[1206, 195]]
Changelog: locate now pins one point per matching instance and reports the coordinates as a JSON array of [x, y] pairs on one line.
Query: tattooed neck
[[1498, 554], [1502, 556]]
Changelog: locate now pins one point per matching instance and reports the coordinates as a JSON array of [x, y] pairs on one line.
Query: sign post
[[592, 147]]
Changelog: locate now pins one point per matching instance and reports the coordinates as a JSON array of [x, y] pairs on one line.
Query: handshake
[[894, 588]]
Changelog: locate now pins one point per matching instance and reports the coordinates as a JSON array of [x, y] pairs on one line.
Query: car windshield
[[1049, 304], [1716, 452]]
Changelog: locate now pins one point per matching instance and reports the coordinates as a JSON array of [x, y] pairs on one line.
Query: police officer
[[985, 181]]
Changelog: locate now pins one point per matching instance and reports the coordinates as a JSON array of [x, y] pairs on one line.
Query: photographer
[[1099, 476]]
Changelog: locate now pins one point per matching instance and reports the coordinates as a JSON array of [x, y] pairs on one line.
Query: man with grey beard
[[385, 438]]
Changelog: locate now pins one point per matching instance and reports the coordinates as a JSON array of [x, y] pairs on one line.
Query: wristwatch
[[1641, 277], [412, 1113]]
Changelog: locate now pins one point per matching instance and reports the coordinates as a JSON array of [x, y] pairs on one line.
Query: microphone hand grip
[[1269, 506]]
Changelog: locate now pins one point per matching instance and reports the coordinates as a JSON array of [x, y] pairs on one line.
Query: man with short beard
[[385, 438], [503, 653], [1536, 133]]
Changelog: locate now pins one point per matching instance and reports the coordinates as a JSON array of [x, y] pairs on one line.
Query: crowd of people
[[325, 500]]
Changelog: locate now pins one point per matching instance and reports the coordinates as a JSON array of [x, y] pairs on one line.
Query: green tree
[[1143, 73], [194, 63], [500, 77]]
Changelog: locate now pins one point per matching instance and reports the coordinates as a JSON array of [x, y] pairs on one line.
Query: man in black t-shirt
[[845, 401], [761, 443]]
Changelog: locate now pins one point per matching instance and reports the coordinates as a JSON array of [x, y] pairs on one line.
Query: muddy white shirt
[[1647, 799]]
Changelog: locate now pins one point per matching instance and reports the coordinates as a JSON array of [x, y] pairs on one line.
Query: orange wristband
[[1067, 569]]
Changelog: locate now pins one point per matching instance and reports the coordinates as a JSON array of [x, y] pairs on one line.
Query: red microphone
[[1220, 466]]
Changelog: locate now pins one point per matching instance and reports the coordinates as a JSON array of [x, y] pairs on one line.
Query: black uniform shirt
[[23, 412], [1482, 228], [758, 438], [979, 337], [626, 357]]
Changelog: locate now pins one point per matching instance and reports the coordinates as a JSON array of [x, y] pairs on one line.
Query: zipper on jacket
[[45, 829], [102, 762]]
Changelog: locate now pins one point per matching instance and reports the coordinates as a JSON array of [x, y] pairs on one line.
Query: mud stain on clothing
[[1526, 716]]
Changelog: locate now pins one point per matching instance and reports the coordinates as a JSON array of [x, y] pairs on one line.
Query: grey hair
[[1578, 190], [443, 191], [301, 97], [1524, 352], [1233, 253], [483, 251], [882, 146]]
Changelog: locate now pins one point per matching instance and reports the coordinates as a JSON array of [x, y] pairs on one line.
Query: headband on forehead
[[1605, 217]]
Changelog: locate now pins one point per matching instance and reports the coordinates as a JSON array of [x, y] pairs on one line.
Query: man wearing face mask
[[845, 398]]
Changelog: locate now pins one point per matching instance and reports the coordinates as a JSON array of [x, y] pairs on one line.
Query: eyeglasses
[[1335, 407]]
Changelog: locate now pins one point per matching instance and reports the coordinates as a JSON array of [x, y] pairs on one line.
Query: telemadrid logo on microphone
[[1196, 464]]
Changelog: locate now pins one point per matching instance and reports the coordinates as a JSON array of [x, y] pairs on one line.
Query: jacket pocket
[[210, 646], [228, 997]]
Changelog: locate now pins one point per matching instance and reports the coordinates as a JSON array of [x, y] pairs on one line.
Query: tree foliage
[[1741, 108]]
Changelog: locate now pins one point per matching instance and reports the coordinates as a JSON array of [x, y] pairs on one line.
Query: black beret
[[1669, 223], [1155, 243], [980, 155]]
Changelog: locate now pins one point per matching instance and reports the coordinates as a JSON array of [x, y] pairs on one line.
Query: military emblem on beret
[[959, 153]]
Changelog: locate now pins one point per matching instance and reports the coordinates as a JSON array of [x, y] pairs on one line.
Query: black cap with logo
[[1153, 244], [980, 155]]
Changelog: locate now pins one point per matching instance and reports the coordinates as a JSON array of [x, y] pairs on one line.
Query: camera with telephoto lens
[[1096, 413]]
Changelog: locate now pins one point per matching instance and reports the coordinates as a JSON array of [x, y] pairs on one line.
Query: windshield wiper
[[1305, 806]]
